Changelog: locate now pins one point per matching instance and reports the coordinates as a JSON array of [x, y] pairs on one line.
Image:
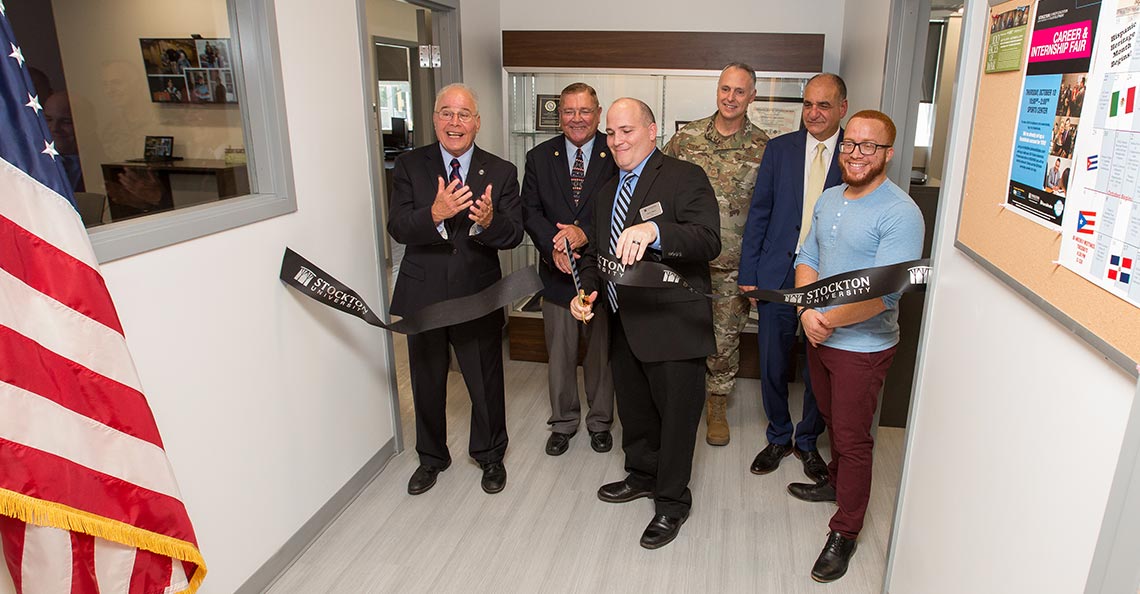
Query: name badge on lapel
[[651, 211]]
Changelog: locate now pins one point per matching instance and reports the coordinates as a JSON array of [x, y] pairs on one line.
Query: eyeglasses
[[584, 112], [867, 148], [447, 115]]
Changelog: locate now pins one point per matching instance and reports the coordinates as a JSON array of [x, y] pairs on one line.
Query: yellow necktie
[[816, 176]]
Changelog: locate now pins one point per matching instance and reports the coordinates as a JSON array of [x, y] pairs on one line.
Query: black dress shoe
[[661, 531], [621, 492], [833, 560], [424, 478], [769, 458], [813, 493], [814, 466], [558, 443], [601, 441], [494, 477]]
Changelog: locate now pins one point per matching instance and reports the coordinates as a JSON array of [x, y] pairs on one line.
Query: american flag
[[88, 500]]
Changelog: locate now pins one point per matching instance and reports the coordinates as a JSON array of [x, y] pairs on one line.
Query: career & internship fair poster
[[1053, 93], [1100, 231]]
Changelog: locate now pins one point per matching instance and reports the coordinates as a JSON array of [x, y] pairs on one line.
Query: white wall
[[864, 52], [268, 403], [395, 20], [1016, 429], [481, 42]]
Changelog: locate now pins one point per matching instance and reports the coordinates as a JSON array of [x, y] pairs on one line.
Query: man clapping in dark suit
[[664, 209], [562, 175], [454, 206]]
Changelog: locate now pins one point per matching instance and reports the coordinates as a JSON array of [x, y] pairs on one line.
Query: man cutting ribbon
[[662, 209]]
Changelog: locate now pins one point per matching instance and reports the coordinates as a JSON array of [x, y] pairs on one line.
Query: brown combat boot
[[717, 423]]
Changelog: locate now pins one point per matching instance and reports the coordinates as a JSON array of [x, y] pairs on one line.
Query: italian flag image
[[1123, 102]]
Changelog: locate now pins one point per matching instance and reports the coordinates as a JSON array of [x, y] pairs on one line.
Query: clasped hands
[[817, 327], [577, 239], [453, 198]]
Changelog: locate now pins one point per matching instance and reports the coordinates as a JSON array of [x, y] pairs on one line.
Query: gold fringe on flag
[[55, 515]]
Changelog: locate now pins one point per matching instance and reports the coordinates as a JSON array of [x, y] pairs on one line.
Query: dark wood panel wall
[[673, 50]]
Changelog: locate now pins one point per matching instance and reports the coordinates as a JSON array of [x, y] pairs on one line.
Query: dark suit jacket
[[547, 199], [434, 268], [664, 324], [773, 228]]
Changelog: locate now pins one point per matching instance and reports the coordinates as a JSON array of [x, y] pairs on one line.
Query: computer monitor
[[400, 132]]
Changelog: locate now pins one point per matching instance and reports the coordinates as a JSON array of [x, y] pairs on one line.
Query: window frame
[[253, 25]]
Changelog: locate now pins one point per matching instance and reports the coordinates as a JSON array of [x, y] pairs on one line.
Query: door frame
[[445, 33]]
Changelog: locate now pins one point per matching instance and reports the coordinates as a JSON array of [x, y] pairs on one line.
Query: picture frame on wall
[[546, 113], [776, 115], [167, 88], [191, 70]]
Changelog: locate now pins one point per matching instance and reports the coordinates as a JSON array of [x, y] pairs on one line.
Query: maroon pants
[[846, 388]]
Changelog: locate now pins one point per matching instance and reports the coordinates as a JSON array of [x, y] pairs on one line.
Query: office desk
[[151, 191]]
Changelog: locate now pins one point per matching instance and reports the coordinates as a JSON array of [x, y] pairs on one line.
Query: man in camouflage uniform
[[729, 148]]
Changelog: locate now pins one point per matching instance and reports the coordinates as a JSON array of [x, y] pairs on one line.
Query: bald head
[[632, 132]]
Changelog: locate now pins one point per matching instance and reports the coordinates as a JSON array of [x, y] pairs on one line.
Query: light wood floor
[[548, 532]]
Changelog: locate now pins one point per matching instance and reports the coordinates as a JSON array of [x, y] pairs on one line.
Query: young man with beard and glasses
[[561, 179], [867, 221], [454, 206]]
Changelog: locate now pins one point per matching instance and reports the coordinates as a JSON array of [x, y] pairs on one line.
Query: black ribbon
[[847, 287], [320, 286]]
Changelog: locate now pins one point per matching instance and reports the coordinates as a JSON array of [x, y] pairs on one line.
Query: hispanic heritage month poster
[[1053, 94], [1007, 39], [1100, 233]]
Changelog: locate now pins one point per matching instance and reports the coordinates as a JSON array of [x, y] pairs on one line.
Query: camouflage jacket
[[730, 163]]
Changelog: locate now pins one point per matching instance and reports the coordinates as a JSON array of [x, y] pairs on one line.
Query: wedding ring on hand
[[637, 241]]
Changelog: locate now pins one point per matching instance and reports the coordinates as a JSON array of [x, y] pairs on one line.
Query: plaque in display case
[[546, 113]]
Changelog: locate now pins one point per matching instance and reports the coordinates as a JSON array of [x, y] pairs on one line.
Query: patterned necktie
[[617, 225], [455, 172], [577, 176], [816, 176], [453, 222]]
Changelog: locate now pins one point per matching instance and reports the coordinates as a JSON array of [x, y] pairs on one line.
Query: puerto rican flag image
[[1086, 220], [1120, 269]]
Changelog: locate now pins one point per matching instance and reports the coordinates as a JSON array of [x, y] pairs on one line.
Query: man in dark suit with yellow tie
[[663, 209], [796, 168], [561, 178], [454, 206]]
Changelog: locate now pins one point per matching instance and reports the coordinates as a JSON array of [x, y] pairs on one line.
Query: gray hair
[[458, 87], [742, 66]]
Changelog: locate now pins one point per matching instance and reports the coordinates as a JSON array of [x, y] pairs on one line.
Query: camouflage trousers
[[729, 317]]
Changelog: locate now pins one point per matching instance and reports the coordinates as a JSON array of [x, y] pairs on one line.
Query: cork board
[[1019, 251]]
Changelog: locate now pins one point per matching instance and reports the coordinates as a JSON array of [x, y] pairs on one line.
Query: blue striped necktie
[[617, 225]]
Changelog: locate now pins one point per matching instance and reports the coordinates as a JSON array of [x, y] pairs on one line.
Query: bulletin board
[[1021, 251]]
